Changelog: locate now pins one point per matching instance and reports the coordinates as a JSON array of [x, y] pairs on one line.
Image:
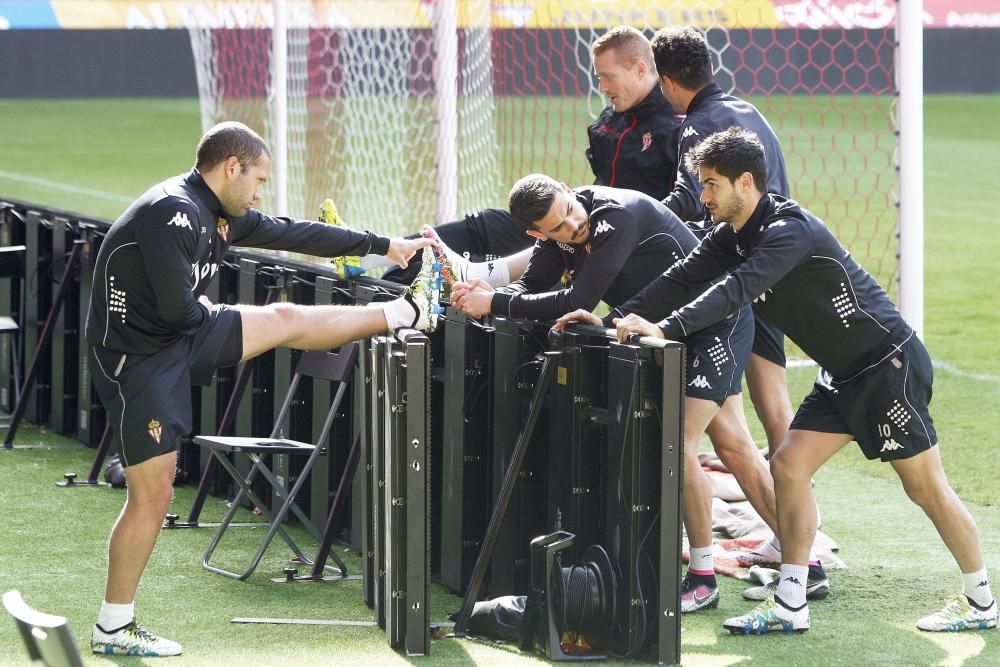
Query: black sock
[[778, 600], [707, 579], [976, 605]]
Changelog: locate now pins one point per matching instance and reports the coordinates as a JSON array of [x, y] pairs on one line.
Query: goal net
[[364, 106]]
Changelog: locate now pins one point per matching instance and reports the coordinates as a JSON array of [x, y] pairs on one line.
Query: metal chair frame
[[336, 367]]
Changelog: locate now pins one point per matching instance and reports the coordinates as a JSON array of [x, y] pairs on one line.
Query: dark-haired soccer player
[[153, 334], [684, 65], [612, 243], [874, 385]]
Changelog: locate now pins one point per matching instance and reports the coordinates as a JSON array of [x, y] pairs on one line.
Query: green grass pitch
[[95, 156]]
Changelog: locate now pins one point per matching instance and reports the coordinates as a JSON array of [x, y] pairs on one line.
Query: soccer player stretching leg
[[874, 385]]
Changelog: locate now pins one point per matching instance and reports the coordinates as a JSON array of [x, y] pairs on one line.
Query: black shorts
[[768, 341], [884, 407], [717, 357], [148, 396]]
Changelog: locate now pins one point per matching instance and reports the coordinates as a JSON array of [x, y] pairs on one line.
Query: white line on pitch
[[55, 185], [955, 370]]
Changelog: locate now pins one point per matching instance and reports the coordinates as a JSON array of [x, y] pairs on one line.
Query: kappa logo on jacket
[[689, 131], [180, 220], [603, 226]]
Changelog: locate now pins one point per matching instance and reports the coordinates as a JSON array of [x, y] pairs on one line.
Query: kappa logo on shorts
[[700, 382], [222, 226], [155, 432], [180, 220], [890, 445]]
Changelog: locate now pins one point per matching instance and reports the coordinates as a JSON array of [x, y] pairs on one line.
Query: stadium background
[[108, 148], [821, 71]]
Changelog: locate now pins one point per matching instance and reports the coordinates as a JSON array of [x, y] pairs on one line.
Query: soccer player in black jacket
[[633, 142], [153, 334], [874, 385], [684, 66], [611, 243]]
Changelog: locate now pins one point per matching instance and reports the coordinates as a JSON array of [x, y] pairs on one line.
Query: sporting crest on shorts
[[222, 226], [647, 141], [154, 430]]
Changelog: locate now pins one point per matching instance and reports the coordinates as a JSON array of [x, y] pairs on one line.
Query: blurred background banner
[[815, 14]]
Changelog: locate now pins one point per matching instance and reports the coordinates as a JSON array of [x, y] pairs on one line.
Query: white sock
[[115, 616], [702, 560], [494, 271], [792, 585], [976, 586], [399, 313]]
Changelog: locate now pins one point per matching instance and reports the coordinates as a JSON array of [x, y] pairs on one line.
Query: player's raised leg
[[324, 327]]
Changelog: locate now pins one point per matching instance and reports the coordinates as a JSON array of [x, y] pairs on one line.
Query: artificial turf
[[94, 156]]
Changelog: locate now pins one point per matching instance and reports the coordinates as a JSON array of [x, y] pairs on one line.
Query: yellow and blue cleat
[[348, 266]]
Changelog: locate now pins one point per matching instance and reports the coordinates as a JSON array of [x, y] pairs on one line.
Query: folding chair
[[12, 266], [333, 366], [8, 327], [46, 637]]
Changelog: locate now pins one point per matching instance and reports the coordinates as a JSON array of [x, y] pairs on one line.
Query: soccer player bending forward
[[153, 334], [874, 385]]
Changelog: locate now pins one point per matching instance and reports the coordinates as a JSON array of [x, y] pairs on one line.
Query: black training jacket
[[798, 276], [160, 255], [712, 111], [633, 238], [636, 149]]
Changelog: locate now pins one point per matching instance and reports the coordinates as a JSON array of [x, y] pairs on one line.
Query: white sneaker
[[133, 639], [769, 615], [959, 615]]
